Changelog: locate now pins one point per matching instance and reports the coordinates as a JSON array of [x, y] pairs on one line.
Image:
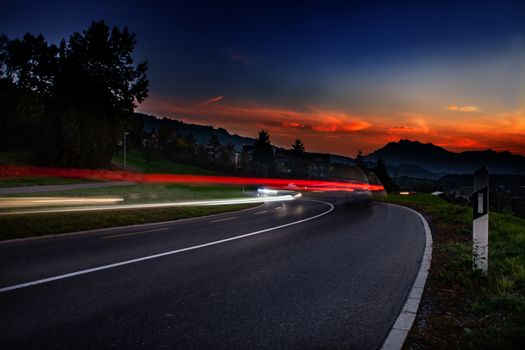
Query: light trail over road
[[309, 275]]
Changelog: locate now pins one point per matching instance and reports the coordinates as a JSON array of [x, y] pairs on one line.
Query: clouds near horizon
[[336, 131]]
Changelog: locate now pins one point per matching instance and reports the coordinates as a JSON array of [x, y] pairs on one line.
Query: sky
[[341, 76]]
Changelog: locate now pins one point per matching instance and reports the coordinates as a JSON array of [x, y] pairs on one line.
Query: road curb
[[399, 332]]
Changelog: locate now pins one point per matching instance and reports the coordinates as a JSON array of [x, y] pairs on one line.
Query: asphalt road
[[338, 279]]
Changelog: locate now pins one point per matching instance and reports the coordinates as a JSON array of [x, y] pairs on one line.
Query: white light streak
[[281, 198]]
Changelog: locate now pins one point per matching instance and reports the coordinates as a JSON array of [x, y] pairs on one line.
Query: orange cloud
[[271, 117], [457, 108], [325, 130]]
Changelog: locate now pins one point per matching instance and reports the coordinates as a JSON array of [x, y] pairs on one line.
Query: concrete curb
[[399, 332]]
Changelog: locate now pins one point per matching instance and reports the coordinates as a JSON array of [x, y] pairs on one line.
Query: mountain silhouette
[[403, 158], [438, 160]]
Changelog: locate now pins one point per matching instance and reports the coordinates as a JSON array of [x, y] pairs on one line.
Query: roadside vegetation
[[21, 226], [460, 308], [39, 181], [136, 161], [27, 225]]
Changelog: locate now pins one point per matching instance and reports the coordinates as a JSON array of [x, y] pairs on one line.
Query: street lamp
[[125, 134]]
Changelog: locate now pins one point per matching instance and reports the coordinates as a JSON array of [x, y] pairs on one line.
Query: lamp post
[[125, 135]]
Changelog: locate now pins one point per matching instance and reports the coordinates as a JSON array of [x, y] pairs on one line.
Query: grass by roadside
[[135, 159], [147, 193], [39, 181], [43, 224], [24, 158], [19, 226], [460, 308]]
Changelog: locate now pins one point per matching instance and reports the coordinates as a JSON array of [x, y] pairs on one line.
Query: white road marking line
[[225, 219], [401, 327], [135, 233], [260, 212], [150, 257]]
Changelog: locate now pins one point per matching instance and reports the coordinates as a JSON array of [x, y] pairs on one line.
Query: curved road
[[303, 274]]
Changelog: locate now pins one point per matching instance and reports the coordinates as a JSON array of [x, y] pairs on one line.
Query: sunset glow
[[348, 132], [328, 73]]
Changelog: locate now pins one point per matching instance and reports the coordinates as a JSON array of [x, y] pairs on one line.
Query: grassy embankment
[[25, 158], [135, 159], [460, 308], [18, 226]]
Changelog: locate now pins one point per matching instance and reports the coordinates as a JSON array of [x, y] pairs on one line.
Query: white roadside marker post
[[480, 224]]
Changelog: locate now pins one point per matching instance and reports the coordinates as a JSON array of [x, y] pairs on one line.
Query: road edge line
[[404, 321]]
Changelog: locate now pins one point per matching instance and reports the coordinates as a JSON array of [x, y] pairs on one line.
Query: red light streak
[[277, 183]]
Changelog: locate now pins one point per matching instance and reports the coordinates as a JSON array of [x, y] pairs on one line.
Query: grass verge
[[19, 226], [135, 159], [460, 308], [40, 181]]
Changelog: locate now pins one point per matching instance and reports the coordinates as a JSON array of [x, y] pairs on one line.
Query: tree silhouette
[[359, 160], [80, 133], [382, 173], [107, 56], [300, 166], [30, 62], [226, 153], [263, 152], [78, 96], [214, 146], [298, 147]]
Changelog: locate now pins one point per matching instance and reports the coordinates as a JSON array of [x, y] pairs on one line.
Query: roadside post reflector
[[480, 224]]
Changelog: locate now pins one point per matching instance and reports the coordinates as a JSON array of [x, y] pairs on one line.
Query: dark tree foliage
[[75, 99], [226, 153], [300, 165], [382, 173], [214, 146], [28, 68], [107, 55], [359, 160], [80, 133], [263, 152], [298, 147], [31, 63]]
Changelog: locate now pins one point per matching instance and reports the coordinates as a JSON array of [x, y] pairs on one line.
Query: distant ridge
[[438, 160], [403, 158], [203, 133]]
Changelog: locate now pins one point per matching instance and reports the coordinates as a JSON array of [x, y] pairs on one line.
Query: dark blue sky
[[382, 67]]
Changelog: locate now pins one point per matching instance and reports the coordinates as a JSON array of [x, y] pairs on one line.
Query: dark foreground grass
[[460, 308], [39, 181], [19, 226]]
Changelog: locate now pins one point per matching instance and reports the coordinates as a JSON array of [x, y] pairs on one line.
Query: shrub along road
[[461, 309]]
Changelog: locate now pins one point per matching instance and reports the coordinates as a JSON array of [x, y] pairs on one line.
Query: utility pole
[[480, 224], [125, 135]]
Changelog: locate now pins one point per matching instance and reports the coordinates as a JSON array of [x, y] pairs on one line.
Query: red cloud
[[314, 125], [211, 100]]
